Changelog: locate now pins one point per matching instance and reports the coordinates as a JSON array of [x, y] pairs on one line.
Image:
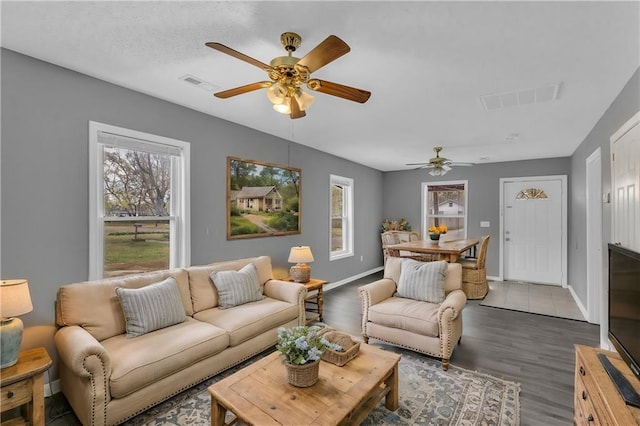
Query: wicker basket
[[302, 376], [350, 346]]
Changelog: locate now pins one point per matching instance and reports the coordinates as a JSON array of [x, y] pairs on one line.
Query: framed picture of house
[[263, 199]]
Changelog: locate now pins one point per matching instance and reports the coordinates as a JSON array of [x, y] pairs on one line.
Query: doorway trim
[[595, 256], [563, 183]]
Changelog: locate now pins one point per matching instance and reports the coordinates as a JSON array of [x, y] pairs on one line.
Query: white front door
[[533, 230], [625, 169]]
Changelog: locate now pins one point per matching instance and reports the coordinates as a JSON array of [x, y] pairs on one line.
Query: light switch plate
[[485, 224]]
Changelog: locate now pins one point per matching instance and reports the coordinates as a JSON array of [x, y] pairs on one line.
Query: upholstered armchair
[[431, 328]]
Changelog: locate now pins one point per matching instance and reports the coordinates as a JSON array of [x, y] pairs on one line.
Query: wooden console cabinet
[[596, 400]]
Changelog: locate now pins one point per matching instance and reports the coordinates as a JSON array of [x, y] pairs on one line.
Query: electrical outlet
[[485, 224], [361, 258]]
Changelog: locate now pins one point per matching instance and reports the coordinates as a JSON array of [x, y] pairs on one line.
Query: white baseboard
[[576, 299], [51, 388], [352, 278], [493, 278]]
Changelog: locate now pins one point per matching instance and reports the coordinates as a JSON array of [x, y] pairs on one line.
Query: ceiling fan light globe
[[445, 168], [283, 108], [304, 99], [277, 93], [438, 171]]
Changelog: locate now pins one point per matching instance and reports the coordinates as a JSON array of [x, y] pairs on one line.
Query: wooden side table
[[23, 386], [313, 302]]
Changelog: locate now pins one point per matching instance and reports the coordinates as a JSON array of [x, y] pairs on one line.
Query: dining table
[[445, 250]]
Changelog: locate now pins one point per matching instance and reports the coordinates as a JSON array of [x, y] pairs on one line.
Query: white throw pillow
[[237, 287], [151, 307], [422, 280]]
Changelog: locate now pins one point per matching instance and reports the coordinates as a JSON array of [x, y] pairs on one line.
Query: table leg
[[218, 413], [391, 400], [320, 301], [36, 406]]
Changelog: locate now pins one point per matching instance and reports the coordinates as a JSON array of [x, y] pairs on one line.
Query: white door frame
[[563, 182], [595, 255]]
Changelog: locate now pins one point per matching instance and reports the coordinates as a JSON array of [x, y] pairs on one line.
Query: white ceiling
[[427, 65]]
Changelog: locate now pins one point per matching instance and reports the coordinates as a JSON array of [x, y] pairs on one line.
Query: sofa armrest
[[372, 294], [452, 305], [377, 291], [88, 367], [286, 291], [450, 321]]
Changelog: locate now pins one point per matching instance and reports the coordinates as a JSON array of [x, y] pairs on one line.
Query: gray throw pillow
[[151, 307], [237, 287], [422, 280]]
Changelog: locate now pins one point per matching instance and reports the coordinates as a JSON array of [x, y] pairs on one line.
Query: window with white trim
[[139, 202], [341, 217], [445, 203]]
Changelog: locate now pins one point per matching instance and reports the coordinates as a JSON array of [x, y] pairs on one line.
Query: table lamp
[[14, 300], [300, 272]]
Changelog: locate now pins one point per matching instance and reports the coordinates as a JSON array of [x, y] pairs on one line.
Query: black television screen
[[624, 304]]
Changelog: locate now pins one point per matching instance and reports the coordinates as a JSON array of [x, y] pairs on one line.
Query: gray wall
[[402, 189], [626, 104], [403, 198], [45, 115]]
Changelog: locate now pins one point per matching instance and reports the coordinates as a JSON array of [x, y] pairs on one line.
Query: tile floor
[[535, 298]]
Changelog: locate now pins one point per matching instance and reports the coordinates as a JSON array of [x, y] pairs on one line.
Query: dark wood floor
[[533, 350]]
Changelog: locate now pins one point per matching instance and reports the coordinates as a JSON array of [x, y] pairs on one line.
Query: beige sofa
[[429, 328], [109, 378]]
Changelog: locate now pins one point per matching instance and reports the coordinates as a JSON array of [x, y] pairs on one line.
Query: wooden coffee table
[[259, 393]]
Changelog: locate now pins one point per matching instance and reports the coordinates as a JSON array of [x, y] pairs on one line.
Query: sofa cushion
[[151, 307], [237, 287], [406, 314], [251, 319], [136, 363], [422, 280], [94, 306], [205, 296]]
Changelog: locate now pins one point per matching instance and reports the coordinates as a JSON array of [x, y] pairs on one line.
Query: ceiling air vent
[[520, 97], [200, 83]]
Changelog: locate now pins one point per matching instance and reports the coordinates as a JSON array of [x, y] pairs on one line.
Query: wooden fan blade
[[243, 89], [296, 112], [339, 90], [248, 59], [326, 52]]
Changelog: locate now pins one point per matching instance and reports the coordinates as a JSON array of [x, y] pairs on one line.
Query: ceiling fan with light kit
[[439, 165], [287, 74]]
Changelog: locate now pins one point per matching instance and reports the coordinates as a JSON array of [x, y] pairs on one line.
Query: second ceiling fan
[[438, 165], [287, 74]]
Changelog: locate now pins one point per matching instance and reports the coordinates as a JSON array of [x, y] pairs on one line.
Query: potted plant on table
[[436, 231], [301, 348]]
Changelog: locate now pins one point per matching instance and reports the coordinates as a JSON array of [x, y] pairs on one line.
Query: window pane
[[336, 234], [446, 206], [446, 200], [132, 247], [337, 222], [136, 183]]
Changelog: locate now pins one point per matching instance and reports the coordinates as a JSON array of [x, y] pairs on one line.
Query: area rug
[[540, 299], [428, 396]]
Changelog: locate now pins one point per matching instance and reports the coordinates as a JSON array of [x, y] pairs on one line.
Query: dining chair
[[396, 237], [474, 273]]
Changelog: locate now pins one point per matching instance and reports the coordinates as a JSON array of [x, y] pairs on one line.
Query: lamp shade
[[14, 298], [300, 254]]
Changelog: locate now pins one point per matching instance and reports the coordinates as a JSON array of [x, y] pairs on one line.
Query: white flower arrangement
[[301, 344]]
